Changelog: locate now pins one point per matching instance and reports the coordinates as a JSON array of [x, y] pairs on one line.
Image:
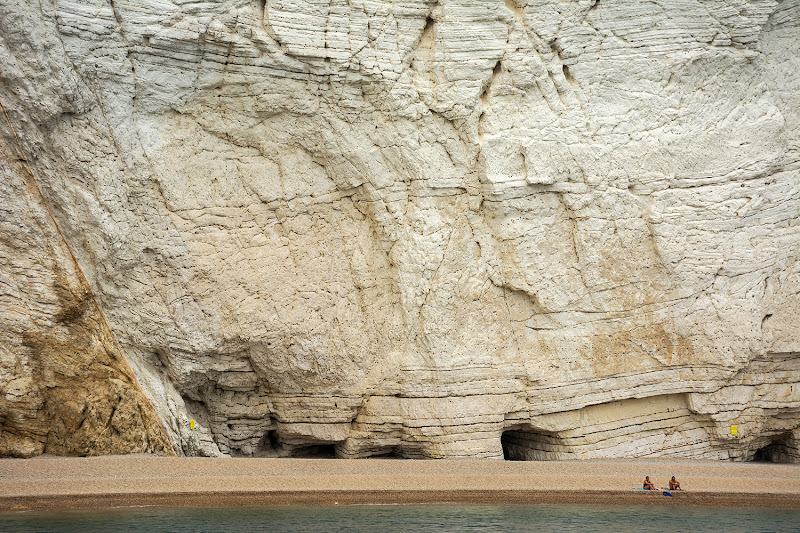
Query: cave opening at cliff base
[[531, 444], [272, 443], [779, 450]]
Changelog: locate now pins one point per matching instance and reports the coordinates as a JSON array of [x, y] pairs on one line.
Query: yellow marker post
[[734, 430], [191, 424]]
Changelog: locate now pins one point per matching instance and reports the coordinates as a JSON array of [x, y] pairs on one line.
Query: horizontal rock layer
[[431, 229]]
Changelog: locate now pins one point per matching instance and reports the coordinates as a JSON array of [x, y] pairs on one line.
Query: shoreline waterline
[[59, 483]]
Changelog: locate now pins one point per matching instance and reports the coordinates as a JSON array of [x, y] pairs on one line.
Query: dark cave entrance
[[779, 450], [531, 444], [393, 454], [299, 448], [316, 451]]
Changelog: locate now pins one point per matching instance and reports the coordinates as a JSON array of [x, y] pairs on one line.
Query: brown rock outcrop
[[65, 387]]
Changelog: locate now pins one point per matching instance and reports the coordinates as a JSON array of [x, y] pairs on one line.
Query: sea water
[[408, 518]]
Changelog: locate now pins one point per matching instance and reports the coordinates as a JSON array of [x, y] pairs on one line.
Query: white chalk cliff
[[454, 228]]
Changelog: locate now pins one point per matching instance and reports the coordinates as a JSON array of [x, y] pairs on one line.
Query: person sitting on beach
[[648, 485], [674, 485]]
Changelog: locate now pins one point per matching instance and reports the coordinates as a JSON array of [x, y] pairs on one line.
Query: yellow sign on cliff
[[734, 430], [191, 424]]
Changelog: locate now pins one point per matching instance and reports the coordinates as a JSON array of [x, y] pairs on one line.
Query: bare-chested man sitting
[[674, 485]]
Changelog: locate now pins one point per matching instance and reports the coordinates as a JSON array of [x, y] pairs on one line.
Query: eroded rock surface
[[66, 389], [433, 229]]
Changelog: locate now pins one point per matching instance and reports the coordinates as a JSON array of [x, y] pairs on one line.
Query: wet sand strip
[[389, 497]]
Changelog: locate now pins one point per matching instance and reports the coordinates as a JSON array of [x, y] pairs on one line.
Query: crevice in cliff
[[573, 230], [427, 35], [568, 75], [496, 71], [117, 15], [267, 25], [512, 6]]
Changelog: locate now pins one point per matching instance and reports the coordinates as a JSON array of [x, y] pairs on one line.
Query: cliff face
[[434, 229]]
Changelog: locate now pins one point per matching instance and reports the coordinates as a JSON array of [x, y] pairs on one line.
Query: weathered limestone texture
[[66, 388], [531, 229]]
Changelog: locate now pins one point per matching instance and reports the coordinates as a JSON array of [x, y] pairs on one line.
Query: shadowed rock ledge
[[519, 229]]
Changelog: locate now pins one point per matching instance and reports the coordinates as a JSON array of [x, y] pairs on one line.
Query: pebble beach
[[96, 482]]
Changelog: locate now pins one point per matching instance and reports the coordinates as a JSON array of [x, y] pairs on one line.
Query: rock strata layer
[[530, 229]]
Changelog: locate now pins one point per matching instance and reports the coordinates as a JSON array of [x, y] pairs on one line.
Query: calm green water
[[408, 518]]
